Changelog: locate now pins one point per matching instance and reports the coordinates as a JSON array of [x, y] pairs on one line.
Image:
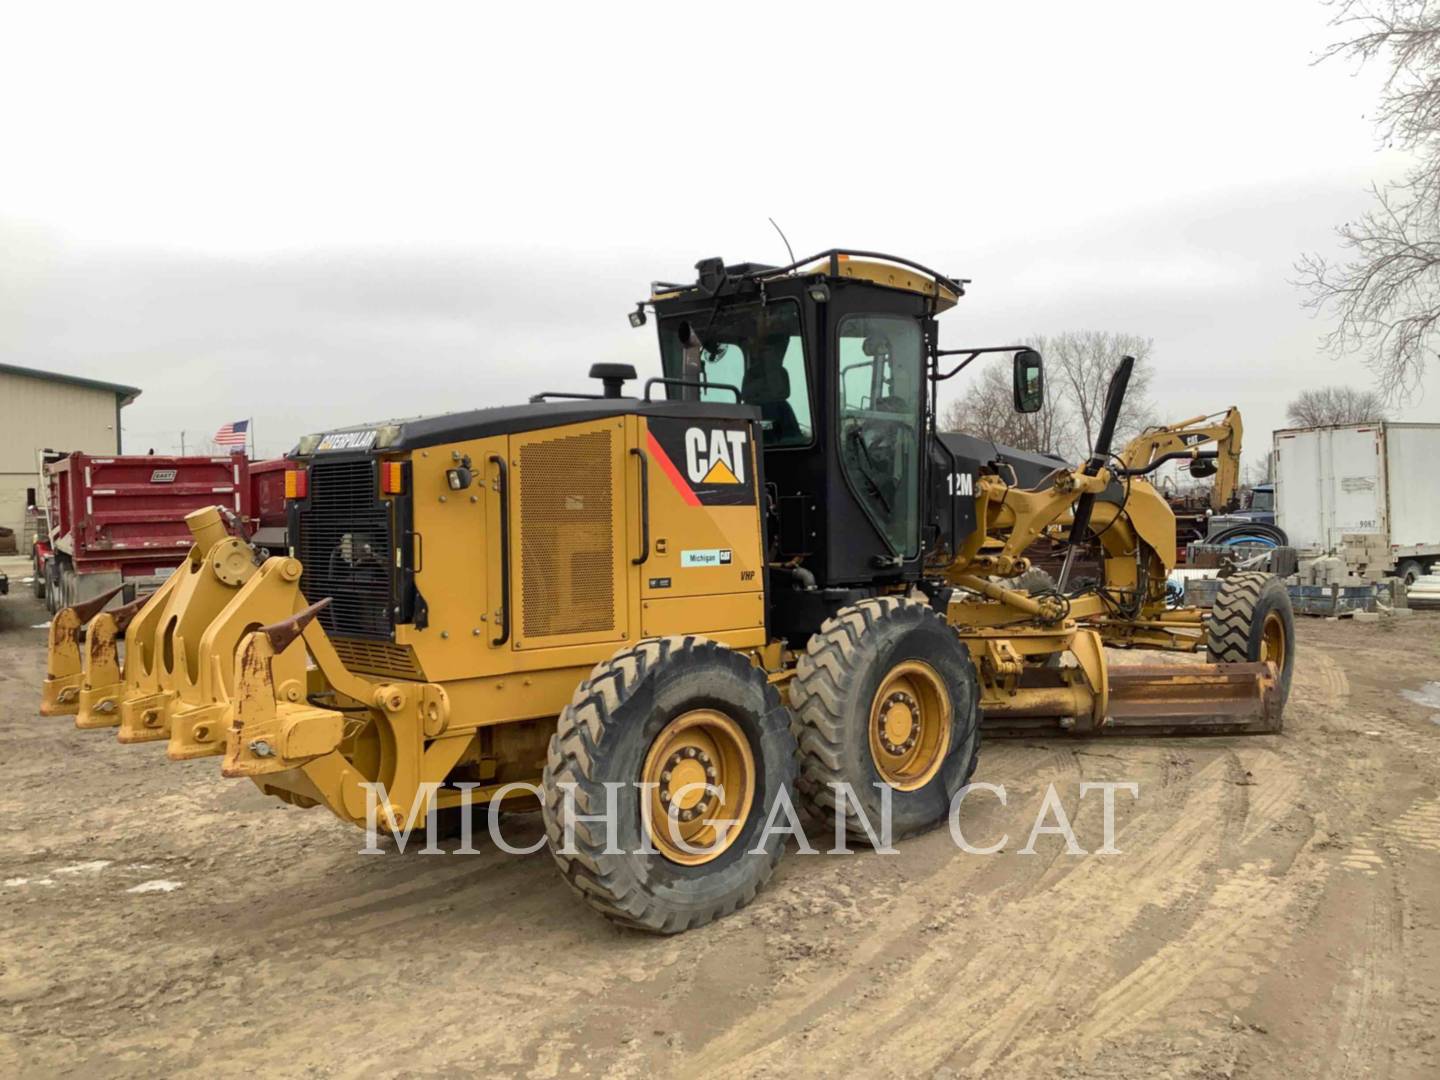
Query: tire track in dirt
[[1319, 682], [1365, 1031], [1076, 925], [1209, 972], [947, 1000], [1417, 827], [912, 917]]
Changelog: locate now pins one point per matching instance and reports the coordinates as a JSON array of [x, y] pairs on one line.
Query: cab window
[[882, 379], [758, 349]]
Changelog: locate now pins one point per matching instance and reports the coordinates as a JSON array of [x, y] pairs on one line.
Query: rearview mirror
[[1029, 381]]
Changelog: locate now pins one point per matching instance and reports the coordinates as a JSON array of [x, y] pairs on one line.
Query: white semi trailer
[[1381, 479]]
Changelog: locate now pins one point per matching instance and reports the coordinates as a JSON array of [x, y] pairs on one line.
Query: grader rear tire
[[1252, 619], [675, 713], [886, 694]]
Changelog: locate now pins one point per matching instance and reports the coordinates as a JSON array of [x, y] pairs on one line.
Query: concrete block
[[1367, 616]]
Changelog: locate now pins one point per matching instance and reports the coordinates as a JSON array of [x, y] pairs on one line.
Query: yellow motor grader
[[767, 575]]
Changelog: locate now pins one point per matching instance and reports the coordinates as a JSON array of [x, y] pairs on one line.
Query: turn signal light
[[392, 478], [297, 483]]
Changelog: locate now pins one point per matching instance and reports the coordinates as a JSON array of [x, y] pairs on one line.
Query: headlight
[[387, 435], [307, 444]]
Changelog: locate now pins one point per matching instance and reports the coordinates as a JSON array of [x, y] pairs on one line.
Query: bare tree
[[1080, 363], [1385, 290], [1078, 366], [987, 410], [1335, 405]]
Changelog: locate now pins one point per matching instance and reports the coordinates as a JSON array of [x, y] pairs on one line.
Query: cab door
[[880, 386]]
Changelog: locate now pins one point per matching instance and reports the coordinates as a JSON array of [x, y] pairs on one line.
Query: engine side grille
[[567, 535], [381, 658], [346, 548]]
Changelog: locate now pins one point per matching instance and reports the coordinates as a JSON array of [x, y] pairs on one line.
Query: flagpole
[[250, 430]]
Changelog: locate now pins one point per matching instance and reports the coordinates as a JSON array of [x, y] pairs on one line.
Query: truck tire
[[674, 712], [1409, 571], [37, 582], [1251, 620], [53, 585], [886, 696]]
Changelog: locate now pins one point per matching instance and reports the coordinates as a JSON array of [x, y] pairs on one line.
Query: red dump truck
[[119, 520]]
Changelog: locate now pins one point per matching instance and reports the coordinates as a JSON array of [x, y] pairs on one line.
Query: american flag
[[233, 434]]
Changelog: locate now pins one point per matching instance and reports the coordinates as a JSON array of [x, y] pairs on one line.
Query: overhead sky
[[320, 214]]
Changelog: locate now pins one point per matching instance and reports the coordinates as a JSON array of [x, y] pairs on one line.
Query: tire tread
[[583, 727]]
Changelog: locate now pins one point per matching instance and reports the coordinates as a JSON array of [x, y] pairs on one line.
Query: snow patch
[[158, 885], [84, 867], [1428, 695]]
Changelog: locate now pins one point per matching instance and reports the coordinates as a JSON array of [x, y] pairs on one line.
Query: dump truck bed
[[119, 520]]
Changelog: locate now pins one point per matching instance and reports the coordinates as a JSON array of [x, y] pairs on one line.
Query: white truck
[[1379, 479]]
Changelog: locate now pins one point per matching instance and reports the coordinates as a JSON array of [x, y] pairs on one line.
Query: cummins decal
[[710, 462]]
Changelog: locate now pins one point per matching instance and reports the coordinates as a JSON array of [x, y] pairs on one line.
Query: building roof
[[127, 394]]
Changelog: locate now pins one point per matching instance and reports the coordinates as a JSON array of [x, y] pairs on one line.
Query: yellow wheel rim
[[910, 726], [695, 749], [1272, 640]]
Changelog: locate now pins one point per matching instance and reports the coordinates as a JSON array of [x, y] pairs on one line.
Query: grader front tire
[[675, 712], [1253, 620], [886, 694]]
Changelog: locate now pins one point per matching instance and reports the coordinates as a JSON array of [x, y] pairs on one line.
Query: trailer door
[[1329, 482], [1356, 469], [1413, 451], [1299, 509]]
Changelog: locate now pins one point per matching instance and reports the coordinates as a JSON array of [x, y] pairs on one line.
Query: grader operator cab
[[765, 577]]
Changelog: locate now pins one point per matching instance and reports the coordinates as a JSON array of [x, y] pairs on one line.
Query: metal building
[[47, 410]]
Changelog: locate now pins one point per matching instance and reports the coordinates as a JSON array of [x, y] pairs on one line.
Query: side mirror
[[1029, 381]]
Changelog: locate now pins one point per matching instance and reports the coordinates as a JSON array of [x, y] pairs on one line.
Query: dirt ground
[[1274, 910]]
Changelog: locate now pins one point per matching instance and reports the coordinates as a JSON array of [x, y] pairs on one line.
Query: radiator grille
[[380, 658], [345, 545], [567, 535]]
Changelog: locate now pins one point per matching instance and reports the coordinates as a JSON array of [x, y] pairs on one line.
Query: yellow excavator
[[764, 576]]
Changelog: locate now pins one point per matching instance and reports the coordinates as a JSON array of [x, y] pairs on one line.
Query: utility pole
[[182, 443]]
